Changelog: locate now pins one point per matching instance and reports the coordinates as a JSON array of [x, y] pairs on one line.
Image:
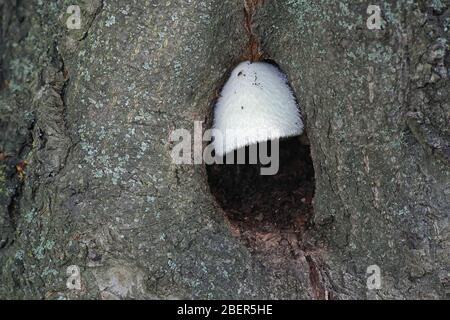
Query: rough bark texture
[[86, 114]]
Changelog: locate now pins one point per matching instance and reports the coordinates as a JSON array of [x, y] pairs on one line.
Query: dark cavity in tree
[[280, 202]]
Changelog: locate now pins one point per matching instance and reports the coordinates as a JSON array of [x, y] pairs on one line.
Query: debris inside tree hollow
[[267, 203]]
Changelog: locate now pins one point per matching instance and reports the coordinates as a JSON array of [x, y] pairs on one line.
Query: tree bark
[[86, 177]]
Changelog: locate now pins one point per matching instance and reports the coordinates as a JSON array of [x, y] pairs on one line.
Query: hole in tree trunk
[[267, 203]]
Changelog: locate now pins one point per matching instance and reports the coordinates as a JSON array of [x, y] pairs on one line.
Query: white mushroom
[[256, 104]]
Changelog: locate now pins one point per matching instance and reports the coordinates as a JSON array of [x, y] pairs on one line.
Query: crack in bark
[[254, 52], [91, 22], [315, 279]]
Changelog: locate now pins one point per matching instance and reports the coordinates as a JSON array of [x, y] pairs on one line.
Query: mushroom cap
[[256, 104]]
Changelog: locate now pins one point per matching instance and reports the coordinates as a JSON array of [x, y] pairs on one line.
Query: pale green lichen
[[49, 272], [39, 251], [21, 68], [437, 5], [19, 255], [29, 216], [110, 21]]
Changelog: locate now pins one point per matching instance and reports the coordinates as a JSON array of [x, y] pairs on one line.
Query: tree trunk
[[86, 177]]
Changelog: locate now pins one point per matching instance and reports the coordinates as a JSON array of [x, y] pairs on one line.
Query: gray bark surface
[[88, 114]]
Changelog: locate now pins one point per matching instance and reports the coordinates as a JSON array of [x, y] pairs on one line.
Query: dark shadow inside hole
[[267, 202]]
